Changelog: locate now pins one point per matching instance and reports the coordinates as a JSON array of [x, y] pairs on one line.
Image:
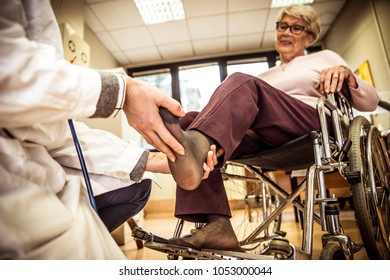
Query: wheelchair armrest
[[384, 105]]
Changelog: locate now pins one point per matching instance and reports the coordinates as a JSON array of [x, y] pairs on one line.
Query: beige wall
[[72, 13], [381, 10], [362, 32], [100, 57], [356, 37]]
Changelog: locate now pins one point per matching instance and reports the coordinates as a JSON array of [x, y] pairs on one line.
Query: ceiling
[[211, 28]]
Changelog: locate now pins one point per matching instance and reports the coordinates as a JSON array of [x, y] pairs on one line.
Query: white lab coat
[[44, 210]]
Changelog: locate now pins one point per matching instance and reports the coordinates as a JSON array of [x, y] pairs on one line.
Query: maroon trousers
[[244, 116]]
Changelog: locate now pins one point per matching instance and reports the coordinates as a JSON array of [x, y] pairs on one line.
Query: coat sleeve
[[39, 91], [104, 153], [38, 86]]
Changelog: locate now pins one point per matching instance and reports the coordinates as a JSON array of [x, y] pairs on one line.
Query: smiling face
[[290, 45]]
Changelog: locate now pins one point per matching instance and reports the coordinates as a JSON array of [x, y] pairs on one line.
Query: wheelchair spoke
[[369, 157], [251, 202]]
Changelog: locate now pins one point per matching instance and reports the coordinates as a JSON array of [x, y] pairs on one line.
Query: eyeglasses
[[295, 29]]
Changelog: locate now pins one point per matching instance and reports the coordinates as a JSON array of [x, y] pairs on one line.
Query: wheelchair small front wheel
[[280, 249], [332, 251]]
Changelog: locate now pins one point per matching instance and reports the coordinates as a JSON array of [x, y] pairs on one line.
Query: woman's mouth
[[284, 42]]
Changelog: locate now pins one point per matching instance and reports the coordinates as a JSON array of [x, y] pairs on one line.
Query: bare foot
[[187, 170], [218, 234]]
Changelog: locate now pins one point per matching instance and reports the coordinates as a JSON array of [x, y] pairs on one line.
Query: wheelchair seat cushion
[[294, 155]]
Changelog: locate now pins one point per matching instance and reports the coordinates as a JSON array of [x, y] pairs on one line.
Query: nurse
[[44, 207]]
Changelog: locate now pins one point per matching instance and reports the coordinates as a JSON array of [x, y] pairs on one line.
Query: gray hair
[[307, 14]]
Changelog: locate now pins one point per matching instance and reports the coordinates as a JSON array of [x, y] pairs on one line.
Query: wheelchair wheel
[[369, 160], [250, 203], [280, 249], [332, 251]]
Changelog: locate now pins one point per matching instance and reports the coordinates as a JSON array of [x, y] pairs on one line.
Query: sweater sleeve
[[365, 97], [300, 76]]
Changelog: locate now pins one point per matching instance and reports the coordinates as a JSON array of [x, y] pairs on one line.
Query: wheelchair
[[356, 150]]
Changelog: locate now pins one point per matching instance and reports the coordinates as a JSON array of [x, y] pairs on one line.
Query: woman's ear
[[310, 40]]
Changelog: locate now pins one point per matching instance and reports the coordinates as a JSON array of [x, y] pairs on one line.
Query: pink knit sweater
[[299, 77]]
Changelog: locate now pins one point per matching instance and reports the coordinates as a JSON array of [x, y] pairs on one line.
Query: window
[[194, 82], [197, 84], [252, 67], [161, 79]]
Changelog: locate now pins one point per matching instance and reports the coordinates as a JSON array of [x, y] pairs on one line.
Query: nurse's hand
[[158, 163], [141, 108]]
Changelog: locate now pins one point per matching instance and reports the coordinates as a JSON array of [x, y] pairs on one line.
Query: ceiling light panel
[[159, 11], [285, 3]]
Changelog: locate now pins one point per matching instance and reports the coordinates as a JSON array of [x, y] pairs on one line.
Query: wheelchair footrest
[[140, 234], [190, 253], [281, 233]]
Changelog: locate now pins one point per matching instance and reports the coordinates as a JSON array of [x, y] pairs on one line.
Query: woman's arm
[[364, 96]]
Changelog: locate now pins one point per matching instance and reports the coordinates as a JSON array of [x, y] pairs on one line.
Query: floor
[[164, 225]]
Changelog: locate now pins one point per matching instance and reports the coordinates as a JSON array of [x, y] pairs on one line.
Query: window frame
[[223, 61]]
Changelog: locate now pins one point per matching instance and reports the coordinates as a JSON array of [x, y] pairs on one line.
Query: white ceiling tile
[[92, 21], [170, 32], [108, 41], [273, 13], [324, 30], [247, 5], [250, 25], [117, 14], [244, 42], [200, 8], [319, 1], [132, 38], [327, 17], [212, 46], [328, 11], [143, 55], [121, 57], [247, 22], [95, 1], [207, 27], [268, 41], [181, 50]]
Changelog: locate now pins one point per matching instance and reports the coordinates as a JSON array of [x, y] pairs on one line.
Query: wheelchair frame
[[329, 154], [334, 155]]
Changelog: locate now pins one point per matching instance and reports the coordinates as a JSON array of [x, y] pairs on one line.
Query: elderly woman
[[246, 115]]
